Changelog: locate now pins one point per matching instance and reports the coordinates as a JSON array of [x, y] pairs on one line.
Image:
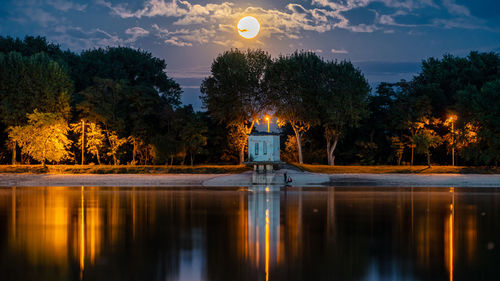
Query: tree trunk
[[331, 149], [114, 159], [242, 155], [299, 145], [134, 151], [98, 158], [412, 148], [247, 130], [428, 159], [171, 160], [14, 147], [192, 159]]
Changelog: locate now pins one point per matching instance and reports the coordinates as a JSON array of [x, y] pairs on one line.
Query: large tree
[[294, 82], [44, 137], [234, 92], [342, 103], [484, 111], [29, 83]]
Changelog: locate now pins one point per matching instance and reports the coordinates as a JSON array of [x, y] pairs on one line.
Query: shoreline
[[299, 179]]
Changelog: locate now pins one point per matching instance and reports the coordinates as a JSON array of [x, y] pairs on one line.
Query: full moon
[[248, 27]]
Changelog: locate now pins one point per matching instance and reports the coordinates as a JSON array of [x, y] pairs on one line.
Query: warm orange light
[[267, 245], [452, 118]]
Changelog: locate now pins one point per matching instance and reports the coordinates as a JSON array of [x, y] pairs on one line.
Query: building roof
[[264, 134]]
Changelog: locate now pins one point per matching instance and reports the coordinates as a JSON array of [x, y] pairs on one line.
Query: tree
[[424, 140], [94, 138], [484, 108], [44, 138], [29, 83], [234, 93], [114, 145], [398, 147], [293, 83], [138, 68], [341, 103]]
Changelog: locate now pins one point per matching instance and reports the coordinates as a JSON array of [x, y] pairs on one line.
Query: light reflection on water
[[260, 233]]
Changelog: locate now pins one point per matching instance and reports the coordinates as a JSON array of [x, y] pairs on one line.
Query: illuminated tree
[[94, 138], [44, 138], [424, 140], [233, 94], [115, 143]]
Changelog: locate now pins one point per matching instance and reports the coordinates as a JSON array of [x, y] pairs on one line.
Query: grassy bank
[[325, 169], [123, 169]]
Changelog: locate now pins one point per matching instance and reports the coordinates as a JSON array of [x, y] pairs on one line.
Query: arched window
[[264, 148], [256, 148]]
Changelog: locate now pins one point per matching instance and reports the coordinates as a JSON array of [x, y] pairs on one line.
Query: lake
[[259, 233]]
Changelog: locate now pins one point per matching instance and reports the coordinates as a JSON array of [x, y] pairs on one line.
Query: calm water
[[249, 234]]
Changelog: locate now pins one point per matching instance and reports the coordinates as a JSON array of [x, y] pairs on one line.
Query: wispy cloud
[[64, 5], [136, 33], [454, 8], [339, 51]]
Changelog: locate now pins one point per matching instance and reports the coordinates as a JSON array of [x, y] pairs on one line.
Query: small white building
[[263, 150]]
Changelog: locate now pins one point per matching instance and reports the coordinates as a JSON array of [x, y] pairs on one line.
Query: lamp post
[[452, 121], [267, 119], [83, 140]]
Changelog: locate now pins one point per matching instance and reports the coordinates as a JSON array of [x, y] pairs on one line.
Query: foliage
[[193, 134], [424, 140], [294, 83], [342, 102], [139, 68], [234, 93], [29, 83], [94, 138], [290, 152], [125, 94], [484, 106], [114, 145], [398, 147], [44, 138]]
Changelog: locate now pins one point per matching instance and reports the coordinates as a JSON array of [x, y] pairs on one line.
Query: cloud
[[215, 22], [65, 6], [175, 41], [340, 51], [455, 9], [185, 37], [136, 33], [37, 15]]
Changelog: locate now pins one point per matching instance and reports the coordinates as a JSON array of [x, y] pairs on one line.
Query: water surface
[[261, 233]]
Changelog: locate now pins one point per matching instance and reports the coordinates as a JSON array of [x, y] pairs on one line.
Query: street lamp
[[83, 140], [268, 120], [452, 119]]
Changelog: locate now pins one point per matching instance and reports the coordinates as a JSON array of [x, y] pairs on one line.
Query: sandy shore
[[248, 178], [105, 180]]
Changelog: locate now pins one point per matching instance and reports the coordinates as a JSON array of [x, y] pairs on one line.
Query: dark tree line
[[121, 107], [119, 101]]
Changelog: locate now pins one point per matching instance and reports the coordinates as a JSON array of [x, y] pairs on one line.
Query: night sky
[[386, 39]]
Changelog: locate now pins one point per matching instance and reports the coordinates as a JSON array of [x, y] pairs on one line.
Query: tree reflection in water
[[259, 233]]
